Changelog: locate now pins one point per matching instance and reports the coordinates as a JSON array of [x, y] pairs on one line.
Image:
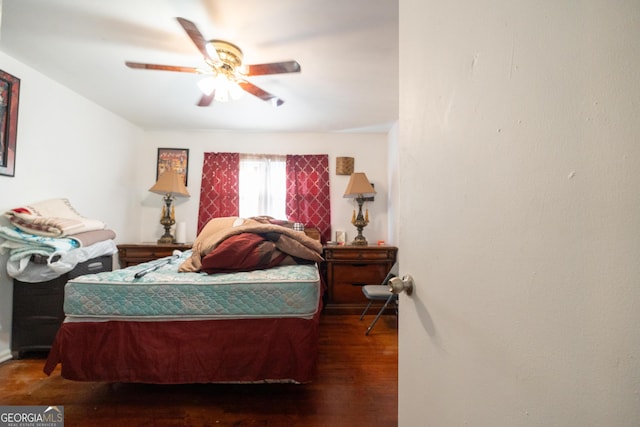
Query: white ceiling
[[348, 51]]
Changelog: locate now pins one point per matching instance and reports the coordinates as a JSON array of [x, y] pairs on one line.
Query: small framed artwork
[[173, 158], [9, 94], [341, 237]]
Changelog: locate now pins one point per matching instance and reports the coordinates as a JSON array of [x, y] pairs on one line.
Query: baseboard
[[5, 355]]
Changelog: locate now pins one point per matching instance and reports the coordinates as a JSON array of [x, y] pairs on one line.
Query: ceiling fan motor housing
[[228, 53]]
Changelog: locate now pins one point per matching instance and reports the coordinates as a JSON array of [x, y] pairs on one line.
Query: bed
[[179, 324]]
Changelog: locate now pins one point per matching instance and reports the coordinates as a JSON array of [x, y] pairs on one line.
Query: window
[[294, 187], [262, 185]]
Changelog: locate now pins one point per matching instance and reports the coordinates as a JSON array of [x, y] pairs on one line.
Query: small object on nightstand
[[181, 232]]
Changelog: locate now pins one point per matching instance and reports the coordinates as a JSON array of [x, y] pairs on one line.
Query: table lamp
[[171, 185], [359, 188]]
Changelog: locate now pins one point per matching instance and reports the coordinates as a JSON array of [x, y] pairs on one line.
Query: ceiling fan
[[225, 72]]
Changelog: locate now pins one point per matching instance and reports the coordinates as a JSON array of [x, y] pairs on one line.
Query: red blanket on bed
[[246, 252], [232, 244]]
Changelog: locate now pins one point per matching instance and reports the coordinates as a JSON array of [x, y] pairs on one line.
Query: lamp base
[[360, 241], [166, 239], [167, 221], [360, 222]]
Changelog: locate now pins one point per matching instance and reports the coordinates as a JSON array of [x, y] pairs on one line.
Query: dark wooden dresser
[[348, 268], [38, 307]]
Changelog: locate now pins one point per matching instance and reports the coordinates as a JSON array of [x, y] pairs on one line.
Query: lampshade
[[359, 186], [170, 183]]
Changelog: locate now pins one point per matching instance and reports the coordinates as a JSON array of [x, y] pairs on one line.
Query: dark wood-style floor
[[356, 385]]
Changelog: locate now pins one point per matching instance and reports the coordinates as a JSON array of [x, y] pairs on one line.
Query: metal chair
[[380, 292]]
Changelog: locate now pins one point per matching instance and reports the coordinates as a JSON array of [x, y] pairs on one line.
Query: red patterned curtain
[[308, 196], [219, 189]]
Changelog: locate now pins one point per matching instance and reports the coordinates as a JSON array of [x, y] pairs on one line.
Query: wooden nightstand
[[137, 253], [348, 268]]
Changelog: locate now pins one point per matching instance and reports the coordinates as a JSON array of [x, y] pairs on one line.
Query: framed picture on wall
[[9, 94], [174, 158]]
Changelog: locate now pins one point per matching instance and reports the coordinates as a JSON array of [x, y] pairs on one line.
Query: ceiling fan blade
[[206, 100], [273, 68], [260, 93], [178, 68], [196, 36]]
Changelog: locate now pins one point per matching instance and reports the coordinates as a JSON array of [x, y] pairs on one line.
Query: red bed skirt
[[190, 351]]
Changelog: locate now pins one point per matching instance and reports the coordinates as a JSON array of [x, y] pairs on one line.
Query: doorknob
[[397, 285]]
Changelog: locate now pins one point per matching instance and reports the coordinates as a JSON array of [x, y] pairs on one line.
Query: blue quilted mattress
[[284, 291]]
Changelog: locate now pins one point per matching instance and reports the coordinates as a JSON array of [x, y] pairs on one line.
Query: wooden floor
[[356, 385]]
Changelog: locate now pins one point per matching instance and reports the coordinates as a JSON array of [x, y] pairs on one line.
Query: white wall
[[67, 147], [519, 129], [369, 151]]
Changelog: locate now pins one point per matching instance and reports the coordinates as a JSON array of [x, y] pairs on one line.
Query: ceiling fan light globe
[[207, 85], [221, 95], [235, 91]]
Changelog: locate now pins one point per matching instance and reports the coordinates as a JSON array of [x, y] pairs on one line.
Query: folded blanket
[[23, 245], [51, 218], [289, 242], [88, 238], [58, 263]]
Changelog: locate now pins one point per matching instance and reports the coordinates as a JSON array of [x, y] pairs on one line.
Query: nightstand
[[137, 253], [348, 269]]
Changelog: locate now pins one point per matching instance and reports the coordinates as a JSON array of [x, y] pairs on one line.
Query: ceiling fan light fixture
[[235, 90], [222, 87], [224, 77], [227, 88], [207, 85], [221, 95]]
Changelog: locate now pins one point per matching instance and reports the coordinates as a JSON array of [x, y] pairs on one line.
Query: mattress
[[283, 291]]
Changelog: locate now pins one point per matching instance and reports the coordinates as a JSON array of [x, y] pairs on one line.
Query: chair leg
[[386, 303], [366, 309], [397, 313]]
